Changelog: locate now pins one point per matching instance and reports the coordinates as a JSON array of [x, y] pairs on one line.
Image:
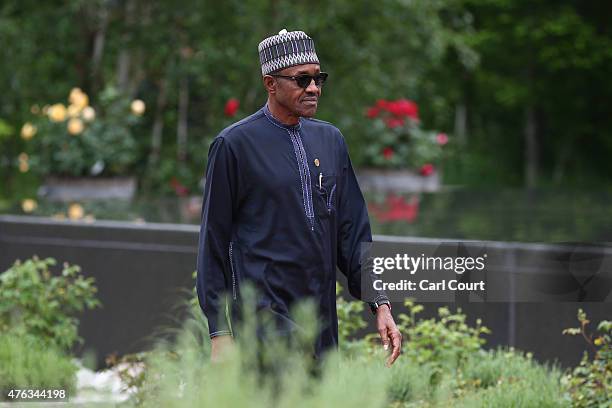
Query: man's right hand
[[221, 345]]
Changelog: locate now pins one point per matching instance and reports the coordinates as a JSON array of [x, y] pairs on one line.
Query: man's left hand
[[389, 333]]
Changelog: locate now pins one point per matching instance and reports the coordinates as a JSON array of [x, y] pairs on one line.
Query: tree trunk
[[461, 122], [183, 110], [124, 59], [531, 148], [158, 123], [98, 47]]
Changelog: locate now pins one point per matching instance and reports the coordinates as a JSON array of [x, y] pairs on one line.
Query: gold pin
[[316, 161]]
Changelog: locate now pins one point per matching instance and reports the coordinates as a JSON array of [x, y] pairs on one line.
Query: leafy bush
[[448, 340], [34, 302], [27, 362], [76, 140], [590, 383]]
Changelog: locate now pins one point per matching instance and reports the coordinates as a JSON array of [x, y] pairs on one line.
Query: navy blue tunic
[[282, 208]]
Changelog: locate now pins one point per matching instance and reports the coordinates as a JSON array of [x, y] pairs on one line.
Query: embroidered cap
[[286, 49]]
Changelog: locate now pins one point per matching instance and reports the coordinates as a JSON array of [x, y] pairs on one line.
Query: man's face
[[299, 101]]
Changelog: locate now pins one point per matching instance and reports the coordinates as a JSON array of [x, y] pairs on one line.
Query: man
[[282, 208]]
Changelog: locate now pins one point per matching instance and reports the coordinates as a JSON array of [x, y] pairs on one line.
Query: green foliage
[[448, 340], [80, 141], [590, 383], [35, 302], [26, 362], [493, 60], [508, 378], [349, 314], [208, 51]]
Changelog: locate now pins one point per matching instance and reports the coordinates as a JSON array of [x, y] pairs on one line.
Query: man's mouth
[[310, 101]]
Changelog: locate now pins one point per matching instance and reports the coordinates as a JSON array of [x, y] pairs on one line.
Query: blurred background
[[486, 115], [466, 119]]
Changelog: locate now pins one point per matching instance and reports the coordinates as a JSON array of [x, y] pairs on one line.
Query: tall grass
[[509, 378], [25, 363], [258, 373]]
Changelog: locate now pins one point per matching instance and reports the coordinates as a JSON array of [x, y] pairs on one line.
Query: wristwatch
[[375, 305]]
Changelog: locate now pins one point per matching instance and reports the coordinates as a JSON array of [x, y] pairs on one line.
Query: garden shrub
[[35, 302], [446, 340], [590, 383]]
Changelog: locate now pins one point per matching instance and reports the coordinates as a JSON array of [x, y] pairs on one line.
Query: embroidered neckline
[[302, 162], [271, 118]]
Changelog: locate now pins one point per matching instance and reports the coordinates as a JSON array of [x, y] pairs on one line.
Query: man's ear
[[270, 84]]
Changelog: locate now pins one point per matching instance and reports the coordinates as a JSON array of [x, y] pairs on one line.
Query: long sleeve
[[355, 237], [213, 269]]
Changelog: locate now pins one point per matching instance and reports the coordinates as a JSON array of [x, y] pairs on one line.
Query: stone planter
[[400, 181], [87, 188]]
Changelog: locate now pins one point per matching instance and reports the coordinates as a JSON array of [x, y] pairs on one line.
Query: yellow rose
[[88, 114], [75, 212], [28, 205], [74, 110], [75, 126], [598, 341], [28, 131], [23, 157], [138, 107], [24, 166], [35, 109], [57, 112], [78, 98]]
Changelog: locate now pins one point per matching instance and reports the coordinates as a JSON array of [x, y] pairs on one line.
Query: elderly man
[[282, 208]]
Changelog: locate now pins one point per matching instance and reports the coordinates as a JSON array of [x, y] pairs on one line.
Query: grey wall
[[144, 271]]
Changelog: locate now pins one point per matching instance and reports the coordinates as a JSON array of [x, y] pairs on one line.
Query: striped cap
[[286, 50]]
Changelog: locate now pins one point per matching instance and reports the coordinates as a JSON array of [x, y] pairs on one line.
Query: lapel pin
[[316, 161]]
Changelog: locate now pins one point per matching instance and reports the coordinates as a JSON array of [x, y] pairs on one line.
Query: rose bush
[[78, 140], [398, 141]]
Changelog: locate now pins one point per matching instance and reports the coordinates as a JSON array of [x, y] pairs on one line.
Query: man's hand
[[220, 346], [389, 333]]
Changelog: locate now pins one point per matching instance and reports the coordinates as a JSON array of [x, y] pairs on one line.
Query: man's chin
[[308, 113]]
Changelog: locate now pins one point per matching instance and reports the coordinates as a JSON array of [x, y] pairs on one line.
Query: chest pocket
[[325, 194]]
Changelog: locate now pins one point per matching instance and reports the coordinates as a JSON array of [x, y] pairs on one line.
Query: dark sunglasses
[[303, 80]]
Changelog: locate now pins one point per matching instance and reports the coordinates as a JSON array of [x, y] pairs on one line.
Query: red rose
[[442, 139], [427, 169], [404, 107], [231, 107], [372, 112], [388, 153], [394, 122]]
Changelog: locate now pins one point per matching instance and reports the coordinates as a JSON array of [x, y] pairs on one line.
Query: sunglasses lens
[[320, 80], [303, 81]]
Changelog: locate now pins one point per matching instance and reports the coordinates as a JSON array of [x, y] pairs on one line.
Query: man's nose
[[312, 87]]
